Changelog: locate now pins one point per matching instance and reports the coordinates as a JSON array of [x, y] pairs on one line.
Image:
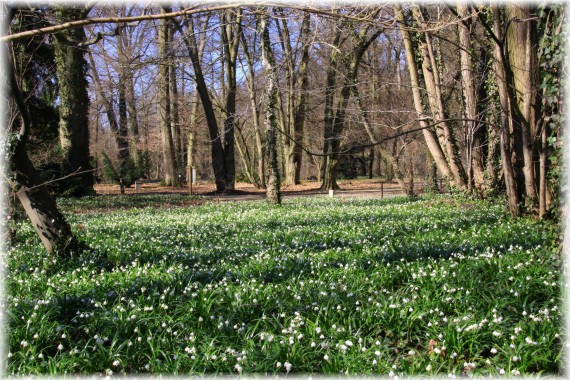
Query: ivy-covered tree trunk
[[40, 207], [73, 102], [272, 180]]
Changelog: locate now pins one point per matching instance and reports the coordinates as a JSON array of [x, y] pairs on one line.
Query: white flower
[[238, 368], [60, 347], [493, 350], [288, 366], [278, 364], [515, 358], [348, 343], [116, 363], [24, 343], [502, 371], [496, 333], [392, 374]]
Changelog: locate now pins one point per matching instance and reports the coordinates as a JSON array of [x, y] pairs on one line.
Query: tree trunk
[[175, 116], [250, 82], [431, 141], [473, 129], [73, 102], [433, 89], [522, 50], [506, 119], [48, 222], [218, 160], [170, 177], [301, 104], [329, 160], [270, 103], [333, 135], [231, 33]]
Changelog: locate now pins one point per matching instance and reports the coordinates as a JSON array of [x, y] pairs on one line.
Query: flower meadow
[[395, 287]]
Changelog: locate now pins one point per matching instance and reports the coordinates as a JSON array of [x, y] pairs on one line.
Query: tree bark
[[522, 50], [74, 102], [431, 140], [506, 118], [41, 209], [433, 89], [231, 33], [332, 135], [251, 87], [272, 180], [473, 130], [169, 177]]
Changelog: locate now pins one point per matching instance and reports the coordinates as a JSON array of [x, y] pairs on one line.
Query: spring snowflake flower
[[428, 368], [502, 371], [24, 343], [493, 350], [496, 333], [374, 362], [116, 363], [278, 364], [515, 358], [60, 347], [288, 366], [238, 368]]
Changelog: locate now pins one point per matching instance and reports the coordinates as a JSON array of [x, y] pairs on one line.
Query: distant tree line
[[469, 94]]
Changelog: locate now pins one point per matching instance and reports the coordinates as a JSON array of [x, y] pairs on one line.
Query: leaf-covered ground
[[394, 287]]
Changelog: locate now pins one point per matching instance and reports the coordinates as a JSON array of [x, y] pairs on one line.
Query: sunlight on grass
[[367, 286]]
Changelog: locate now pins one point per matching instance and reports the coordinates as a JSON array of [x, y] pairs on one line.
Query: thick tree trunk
[[231, 33], [522, 50], [270, 103], [48, 222], [506, 119], [169, 178], [301, 104], [73, 102]]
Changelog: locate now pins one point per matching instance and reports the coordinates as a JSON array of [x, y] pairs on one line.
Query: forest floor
[[246, 191]]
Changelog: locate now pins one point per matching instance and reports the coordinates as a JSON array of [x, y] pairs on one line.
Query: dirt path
[[247, 192]]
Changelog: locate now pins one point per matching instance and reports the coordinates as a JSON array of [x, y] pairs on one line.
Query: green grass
[[336, 286]]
